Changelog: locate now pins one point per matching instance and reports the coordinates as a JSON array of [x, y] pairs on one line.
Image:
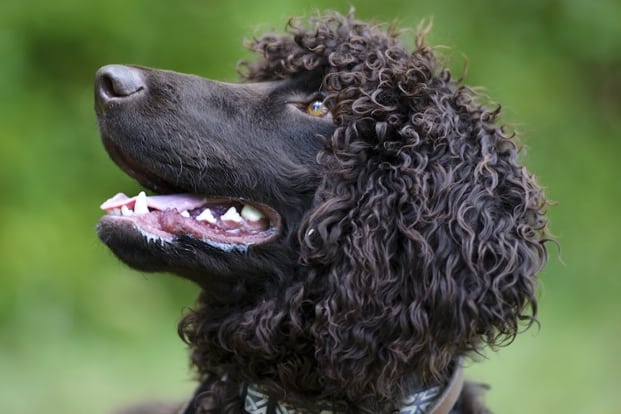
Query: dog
[[357, 220]]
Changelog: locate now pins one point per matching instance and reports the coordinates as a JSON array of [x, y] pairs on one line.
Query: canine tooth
[[185, 214], [207, 216], [126, 211], [251, 214], [140, 207], [231, 215]]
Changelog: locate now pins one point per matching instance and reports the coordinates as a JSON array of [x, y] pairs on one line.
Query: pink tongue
[[180, 202]]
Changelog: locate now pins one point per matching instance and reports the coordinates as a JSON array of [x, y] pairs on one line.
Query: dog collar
[[438, 399], [256, 402]]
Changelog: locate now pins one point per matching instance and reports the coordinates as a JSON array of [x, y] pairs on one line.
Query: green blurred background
[[81, 333]]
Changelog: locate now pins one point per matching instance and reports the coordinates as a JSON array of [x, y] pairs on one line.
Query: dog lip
[[151, 233], [165, 223]]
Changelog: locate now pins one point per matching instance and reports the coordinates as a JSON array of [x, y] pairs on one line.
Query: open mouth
[[218, 221], [222, 222]]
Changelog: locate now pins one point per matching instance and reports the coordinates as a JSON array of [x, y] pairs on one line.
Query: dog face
[[240, 157], [354, 214]]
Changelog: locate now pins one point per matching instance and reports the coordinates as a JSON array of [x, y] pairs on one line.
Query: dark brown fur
[[414, 239]]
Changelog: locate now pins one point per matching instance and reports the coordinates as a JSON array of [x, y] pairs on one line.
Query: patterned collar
[[438, 399], [255, 402]]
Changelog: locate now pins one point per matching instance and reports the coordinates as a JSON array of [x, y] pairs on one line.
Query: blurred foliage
[[81, 333]]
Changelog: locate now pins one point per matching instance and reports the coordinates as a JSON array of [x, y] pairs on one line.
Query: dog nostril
[[118, 81]]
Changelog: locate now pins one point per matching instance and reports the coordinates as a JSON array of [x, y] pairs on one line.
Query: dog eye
[[317, 108]]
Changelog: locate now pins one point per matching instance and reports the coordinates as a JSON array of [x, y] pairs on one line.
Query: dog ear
[[423, 244]]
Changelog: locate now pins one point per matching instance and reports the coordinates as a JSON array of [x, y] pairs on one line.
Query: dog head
[[395, 227]]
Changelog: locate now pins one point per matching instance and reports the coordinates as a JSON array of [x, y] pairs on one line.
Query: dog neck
[[436, 399]]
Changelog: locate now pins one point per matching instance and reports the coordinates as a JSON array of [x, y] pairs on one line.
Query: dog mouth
[[222, 222]]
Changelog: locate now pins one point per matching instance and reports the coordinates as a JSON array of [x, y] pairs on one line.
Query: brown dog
[[357, 221]]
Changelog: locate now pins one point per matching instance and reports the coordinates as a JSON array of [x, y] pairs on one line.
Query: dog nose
[[118, 82]]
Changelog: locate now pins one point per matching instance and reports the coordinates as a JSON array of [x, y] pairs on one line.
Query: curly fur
[[421, 245], [403, 232]]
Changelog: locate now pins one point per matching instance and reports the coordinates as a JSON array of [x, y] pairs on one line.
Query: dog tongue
[[180, 202]]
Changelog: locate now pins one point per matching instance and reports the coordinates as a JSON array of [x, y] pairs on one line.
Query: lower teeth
[[232, 219], [207, 216]]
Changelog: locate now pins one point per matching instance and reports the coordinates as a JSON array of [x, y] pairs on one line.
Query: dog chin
[[211, 265], [146, 248], [130, 245]]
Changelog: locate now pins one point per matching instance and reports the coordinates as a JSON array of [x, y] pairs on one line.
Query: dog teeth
[[207, 216], [126, 212], [251, 214], [185, 213], [231, 215], [140, 206]]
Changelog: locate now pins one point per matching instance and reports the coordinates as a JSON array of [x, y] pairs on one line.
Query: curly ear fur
[[426, 232], [422, 243]]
